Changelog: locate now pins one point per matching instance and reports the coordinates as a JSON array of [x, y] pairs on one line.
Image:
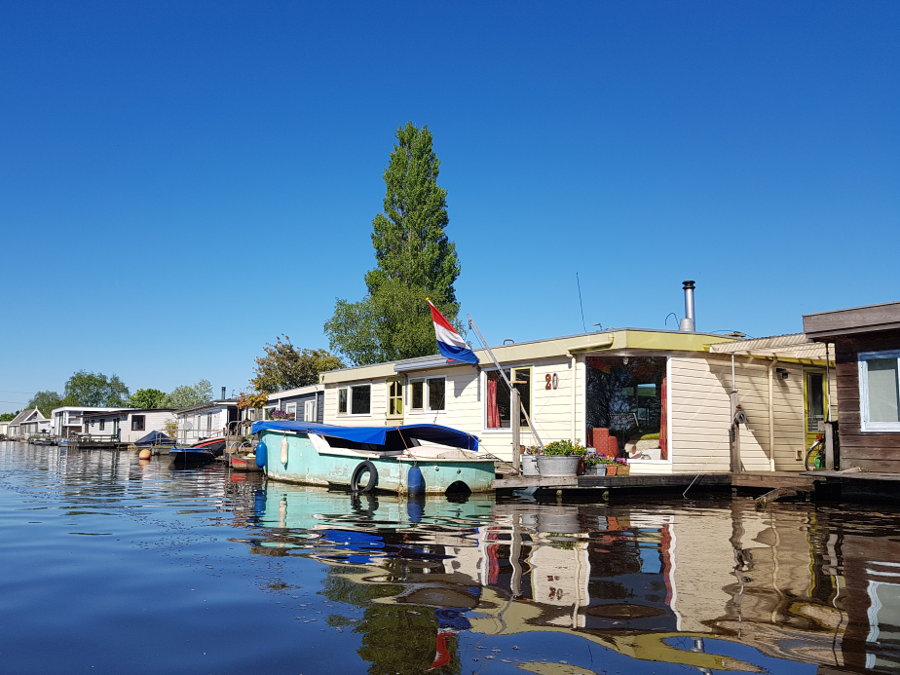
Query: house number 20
[[551, 381]]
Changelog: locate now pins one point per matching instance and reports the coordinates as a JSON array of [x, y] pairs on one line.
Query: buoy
[[261, 454], [146, 453], [415, 481]]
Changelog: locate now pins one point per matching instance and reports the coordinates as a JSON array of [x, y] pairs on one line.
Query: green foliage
[[45, 401], [557, 448], [284, 367], [415, 260], [8, 417], [188, 396], [147, 399], [95, 390]]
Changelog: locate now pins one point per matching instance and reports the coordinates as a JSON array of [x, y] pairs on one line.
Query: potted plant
[[595, 465], [560, 458], [623, 468]]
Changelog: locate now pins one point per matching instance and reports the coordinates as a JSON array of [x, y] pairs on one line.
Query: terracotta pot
[[612, 469]]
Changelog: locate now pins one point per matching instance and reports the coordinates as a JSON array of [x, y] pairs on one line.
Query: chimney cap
[[688, 284]]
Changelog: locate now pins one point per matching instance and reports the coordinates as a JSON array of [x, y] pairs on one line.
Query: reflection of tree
[[395, 638], [613, 394]]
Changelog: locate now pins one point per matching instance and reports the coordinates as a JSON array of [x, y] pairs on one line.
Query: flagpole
[[506, 380]]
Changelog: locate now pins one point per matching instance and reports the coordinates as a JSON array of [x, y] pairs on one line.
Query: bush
[[562, 448]]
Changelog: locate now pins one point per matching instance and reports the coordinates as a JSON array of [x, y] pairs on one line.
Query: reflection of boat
[[243, 463], [198, 453], [415, 458]]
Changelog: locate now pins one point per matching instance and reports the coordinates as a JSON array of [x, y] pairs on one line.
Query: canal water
[[112, 564]]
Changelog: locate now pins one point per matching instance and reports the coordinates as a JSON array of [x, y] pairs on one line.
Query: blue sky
[[181, 182]]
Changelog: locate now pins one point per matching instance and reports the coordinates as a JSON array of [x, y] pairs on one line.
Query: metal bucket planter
[[558, 522], [558, 465], [529, 465], [599, 469]]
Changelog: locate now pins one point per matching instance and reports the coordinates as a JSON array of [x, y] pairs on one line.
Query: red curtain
[[493, 411], [664, 420]]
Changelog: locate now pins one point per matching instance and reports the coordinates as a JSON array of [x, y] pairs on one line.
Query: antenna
[[580, 303]]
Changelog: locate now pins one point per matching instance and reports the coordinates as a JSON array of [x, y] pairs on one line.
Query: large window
[[355, 400], [427, 394], [498, 411], [137, 422], [879, 391]]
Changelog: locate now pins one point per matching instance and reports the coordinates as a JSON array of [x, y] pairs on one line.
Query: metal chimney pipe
[[223, 393], [688, 324]]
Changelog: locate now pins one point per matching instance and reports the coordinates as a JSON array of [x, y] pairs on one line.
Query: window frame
[[143, 422], [862, 359], [512, 377], [348, 400], [291, 409], [425, 383], [395, 395]]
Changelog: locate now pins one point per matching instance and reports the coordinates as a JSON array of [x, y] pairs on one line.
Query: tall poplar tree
[[414, 258]]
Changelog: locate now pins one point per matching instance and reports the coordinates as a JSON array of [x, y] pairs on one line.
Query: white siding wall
[[153, 421]]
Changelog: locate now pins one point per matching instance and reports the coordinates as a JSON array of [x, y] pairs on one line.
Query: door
[[815, 401]]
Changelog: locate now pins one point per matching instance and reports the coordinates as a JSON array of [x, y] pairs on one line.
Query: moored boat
[[200, 452], [409, 459]]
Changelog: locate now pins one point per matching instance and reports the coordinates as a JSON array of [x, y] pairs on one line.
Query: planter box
[[624, 470], [612, 469], [558, 465], [598, 470]]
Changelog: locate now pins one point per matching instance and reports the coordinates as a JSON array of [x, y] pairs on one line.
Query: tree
[[284, 367], [95, 390], [8, 417], [414, 260], [147, 399], [188, 396], [45, 401]]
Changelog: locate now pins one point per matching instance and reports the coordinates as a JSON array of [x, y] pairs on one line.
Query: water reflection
[[720, 587], [474, 586]]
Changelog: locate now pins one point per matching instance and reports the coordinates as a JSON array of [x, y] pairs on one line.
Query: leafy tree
[[45, 401], [187, 396], [147, 399], [415, 260], [8, 417], [284, 367], [95, 390]]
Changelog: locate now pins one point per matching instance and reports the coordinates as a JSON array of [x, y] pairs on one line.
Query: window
[[102, 425], [879, 391], [395, 398], [291, 409], [355, 400], [427, 392], [137, 422], [497, 401], [309, 411]]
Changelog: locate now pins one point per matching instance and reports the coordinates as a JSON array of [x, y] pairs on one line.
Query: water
[[115, 565]]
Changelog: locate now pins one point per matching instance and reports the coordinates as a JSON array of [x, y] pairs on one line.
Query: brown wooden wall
[[871, 451]]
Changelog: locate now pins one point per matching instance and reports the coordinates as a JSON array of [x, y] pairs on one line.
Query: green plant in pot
[[561, 458]]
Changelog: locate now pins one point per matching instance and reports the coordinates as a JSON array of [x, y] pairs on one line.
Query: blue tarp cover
[[386, 438], [154, 437]]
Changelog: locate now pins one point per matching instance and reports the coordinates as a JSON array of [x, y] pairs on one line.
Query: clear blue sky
[[181, 182]]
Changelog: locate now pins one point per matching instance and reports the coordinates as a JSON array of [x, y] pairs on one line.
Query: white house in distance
[[128, 425], [27, 423], [204, 421], [69, 420], [667, 400]]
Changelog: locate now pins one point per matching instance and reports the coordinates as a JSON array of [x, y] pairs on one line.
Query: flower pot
[[558, 465], [600, 469], [529, 465], [611, 469], [624, 470]]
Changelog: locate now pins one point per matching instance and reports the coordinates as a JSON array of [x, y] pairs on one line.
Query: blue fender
[[261, 452], [415, 481]]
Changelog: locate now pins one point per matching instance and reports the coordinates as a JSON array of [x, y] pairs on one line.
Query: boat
[[243, 463], [198, 453], [407, 459]]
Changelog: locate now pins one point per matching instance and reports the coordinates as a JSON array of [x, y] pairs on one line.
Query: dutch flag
[[449, 342]]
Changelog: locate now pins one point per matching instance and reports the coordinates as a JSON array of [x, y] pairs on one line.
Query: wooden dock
[[768, 480]]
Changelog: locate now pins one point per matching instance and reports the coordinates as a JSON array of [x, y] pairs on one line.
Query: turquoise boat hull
[[294, 457]]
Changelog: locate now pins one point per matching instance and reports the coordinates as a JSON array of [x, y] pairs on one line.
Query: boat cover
[[386, 438], [155, 437]]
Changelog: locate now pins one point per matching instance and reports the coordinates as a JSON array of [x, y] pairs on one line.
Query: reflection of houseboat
[[419, 458]]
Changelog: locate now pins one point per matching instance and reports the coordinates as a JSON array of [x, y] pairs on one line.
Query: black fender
[[358, 473]]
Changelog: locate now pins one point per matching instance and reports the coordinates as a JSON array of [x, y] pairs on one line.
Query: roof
[[211, 404], [617, 339], [25, 414], [865, 319], [125, 411], [793, 346], [297, 391]]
